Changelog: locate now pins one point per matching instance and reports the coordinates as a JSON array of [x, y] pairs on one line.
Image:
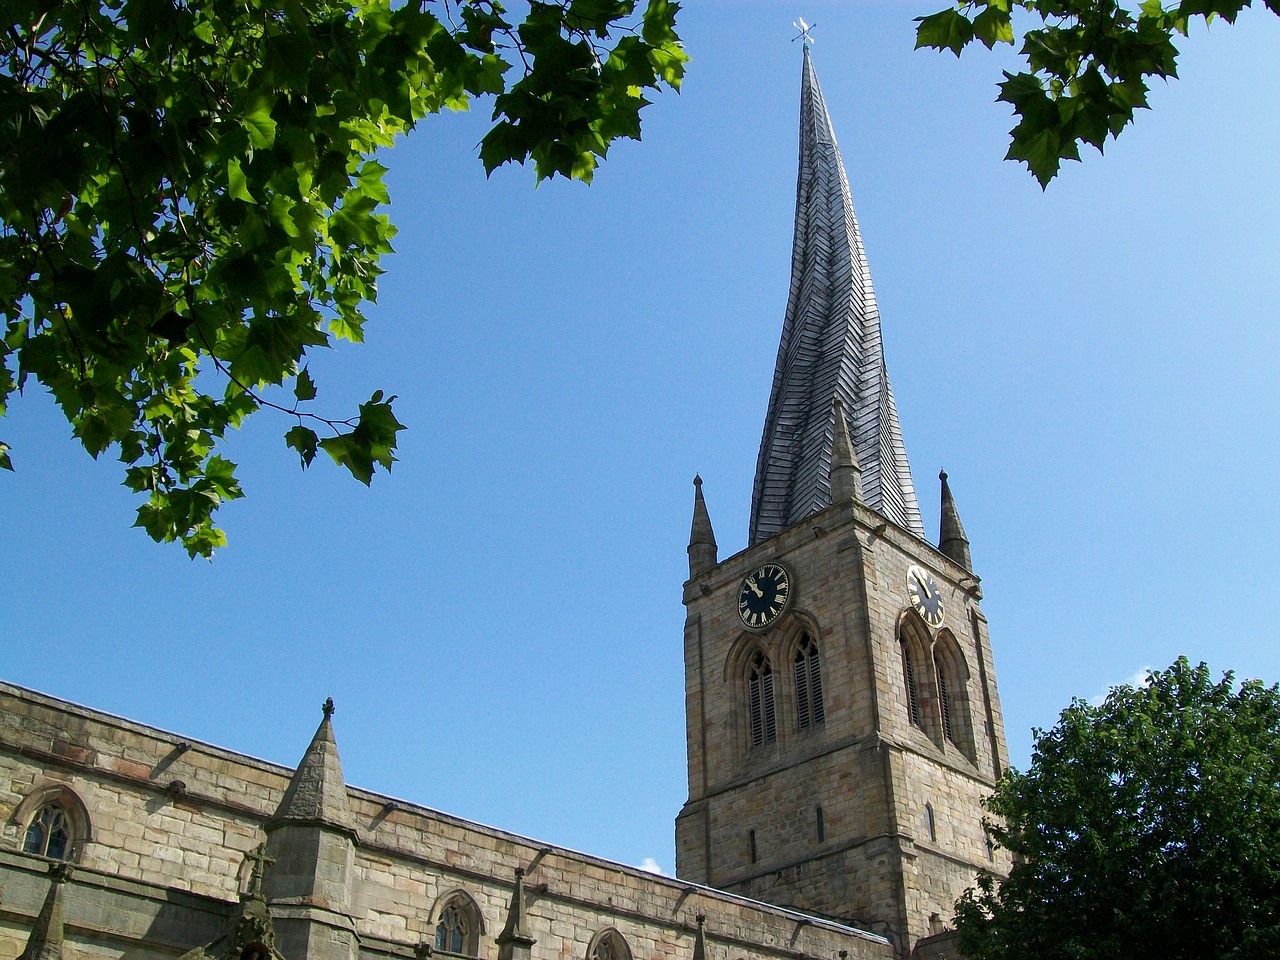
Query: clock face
[[925, 597], [764, 595]]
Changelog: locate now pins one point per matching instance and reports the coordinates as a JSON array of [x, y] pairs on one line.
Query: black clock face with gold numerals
[[764, 595], [925, 597]]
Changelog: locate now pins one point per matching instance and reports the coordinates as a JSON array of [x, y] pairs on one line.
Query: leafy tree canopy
[[1148, 826], [190, 195], [1089, 62]]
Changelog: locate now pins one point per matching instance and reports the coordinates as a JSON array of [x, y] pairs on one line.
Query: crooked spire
[[830, 348]]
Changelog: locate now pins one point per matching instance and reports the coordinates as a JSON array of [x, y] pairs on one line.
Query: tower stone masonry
[[839, 748]]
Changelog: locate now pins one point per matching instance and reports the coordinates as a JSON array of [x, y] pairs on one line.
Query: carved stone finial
[[844, 474], [515, 942], [700, 939], [328, 708], [951, 536], [702, 540]]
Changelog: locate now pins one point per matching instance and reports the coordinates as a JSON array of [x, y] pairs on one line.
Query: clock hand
[[755, 589]]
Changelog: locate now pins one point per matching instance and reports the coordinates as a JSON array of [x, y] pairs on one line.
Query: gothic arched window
[[452, 930], [458, 929], [947, 706], [609, 945], [953, 698], [911, 678], [53, 822], [51, 833], [920, 686], [808, 672], [760, 701]]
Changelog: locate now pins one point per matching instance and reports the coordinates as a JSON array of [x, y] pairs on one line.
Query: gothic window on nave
[[54, 823], [458, 928], [50, 833], [609, 945]]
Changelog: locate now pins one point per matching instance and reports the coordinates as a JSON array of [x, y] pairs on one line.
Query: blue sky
[[499, 620]]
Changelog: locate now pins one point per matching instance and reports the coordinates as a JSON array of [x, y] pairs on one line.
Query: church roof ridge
[[363, 795], [830, 347]]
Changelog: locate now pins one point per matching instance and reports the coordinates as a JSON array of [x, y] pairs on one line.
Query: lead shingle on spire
[[830, 348]]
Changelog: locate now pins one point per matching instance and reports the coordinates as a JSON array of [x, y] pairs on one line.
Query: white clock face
[[925, 597]]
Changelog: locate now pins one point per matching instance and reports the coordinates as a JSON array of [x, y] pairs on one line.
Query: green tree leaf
[[304, 387], [258, 123], [945, 30], [304, 441]]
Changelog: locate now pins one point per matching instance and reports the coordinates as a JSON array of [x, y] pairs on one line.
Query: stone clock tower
[[842, 716]]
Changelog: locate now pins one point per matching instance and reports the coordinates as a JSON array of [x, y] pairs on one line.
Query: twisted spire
[[830, 348]]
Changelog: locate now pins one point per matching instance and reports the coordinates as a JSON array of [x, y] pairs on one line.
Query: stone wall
[[167, 823]]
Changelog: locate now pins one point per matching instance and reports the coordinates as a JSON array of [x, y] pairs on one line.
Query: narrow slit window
[[822, 827]]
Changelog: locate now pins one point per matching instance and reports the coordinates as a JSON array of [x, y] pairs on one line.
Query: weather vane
[[803, 31]]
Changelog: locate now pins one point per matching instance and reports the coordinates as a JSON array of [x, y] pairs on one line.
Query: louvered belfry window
[[808, 684], [764, 724], [913, 698], [944, 700]]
